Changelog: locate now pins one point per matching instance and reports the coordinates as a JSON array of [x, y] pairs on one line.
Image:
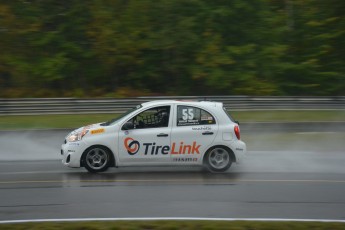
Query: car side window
[[156, 117], [189, 115]]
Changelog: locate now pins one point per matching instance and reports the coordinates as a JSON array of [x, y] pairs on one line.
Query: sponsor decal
[[133, 146], [239, 149], [206, 118], [188, 122], [185, 149], [97, 131], [203, 128], [73, 144], [188, 159]]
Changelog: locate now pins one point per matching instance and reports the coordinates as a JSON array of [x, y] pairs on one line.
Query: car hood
[[87, 127]]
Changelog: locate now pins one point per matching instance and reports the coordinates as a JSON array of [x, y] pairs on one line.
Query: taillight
[[237, 132]]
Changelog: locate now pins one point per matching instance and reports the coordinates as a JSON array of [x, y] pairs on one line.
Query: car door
[[145, 138], [193, 132]]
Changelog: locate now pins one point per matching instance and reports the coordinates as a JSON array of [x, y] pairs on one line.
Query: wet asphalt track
[[268, 184]]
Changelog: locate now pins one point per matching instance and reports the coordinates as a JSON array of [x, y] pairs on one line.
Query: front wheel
[[218, 159], [97, 159]]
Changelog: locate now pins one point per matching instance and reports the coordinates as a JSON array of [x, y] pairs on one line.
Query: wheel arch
[[232, 154], [112, 162]]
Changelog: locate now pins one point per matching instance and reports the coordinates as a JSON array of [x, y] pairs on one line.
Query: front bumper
[[71, 153]]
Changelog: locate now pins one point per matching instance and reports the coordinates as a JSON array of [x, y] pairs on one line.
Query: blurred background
[[121, 48]]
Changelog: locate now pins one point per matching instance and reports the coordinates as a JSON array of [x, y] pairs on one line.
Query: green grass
[[51, 121], [304, 141], [172, 225], [289, 115], [78, 120]]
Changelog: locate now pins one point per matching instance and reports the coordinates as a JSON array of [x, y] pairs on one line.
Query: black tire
[[97, 159], [218, 159]]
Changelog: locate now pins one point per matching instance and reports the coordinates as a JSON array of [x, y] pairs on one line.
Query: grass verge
[[78, 120], [308, 141], [51, 121], [289, 115], [172, 225]]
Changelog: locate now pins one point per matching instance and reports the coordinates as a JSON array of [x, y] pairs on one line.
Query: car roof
[[186, 102]]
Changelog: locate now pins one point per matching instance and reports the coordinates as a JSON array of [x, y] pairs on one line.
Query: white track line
[[167, 218]]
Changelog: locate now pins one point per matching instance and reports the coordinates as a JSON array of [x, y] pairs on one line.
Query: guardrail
[[36, 106]]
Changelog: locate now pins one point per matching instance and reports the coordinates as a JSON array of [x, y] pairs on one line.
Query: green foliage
[[171, 225], [171, 47]]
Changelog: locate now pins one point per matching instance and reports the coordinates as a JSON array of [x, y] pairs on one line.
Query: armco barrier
[[36, 106]]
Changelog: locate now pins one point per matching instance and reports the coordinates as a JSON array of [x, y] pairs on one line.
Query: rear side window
[[189, 115], [227, 113]]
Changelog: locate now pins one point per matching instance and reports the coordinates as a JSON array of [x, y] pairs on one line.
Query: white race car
[[158, 133]]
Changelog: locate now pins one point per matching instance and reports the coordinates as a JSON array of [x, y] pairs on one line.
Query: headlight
[[77, 136]]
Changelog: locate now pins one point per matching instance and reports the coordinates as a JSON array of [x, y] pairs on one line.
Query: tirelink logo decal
[[132, 147]]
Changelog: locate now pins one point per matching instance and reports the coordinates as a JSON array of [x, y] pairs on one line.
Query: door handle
[[162, 135], [207, 133]]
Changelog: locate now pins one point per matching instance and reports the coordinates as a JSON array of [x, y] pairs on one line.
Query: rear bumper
[[240, 150]]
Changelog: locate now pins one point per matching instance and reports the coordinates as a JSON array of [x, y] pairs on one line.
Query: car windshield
[[112, 121]]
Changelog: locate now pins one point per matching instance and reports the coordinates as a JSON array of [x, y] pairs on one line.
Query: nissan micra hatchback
[[158, 133]]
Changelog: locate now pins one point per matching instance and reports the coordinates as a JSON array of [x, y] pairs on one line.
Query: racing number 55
[[187, 114]]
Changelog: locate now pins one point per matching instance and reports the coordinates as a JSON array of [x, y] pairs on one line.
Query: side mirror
[[127, 126]]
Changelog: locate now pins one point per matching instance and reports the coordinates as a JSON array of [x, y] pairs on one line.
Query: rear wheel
[[218, 159], [97, 159]]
